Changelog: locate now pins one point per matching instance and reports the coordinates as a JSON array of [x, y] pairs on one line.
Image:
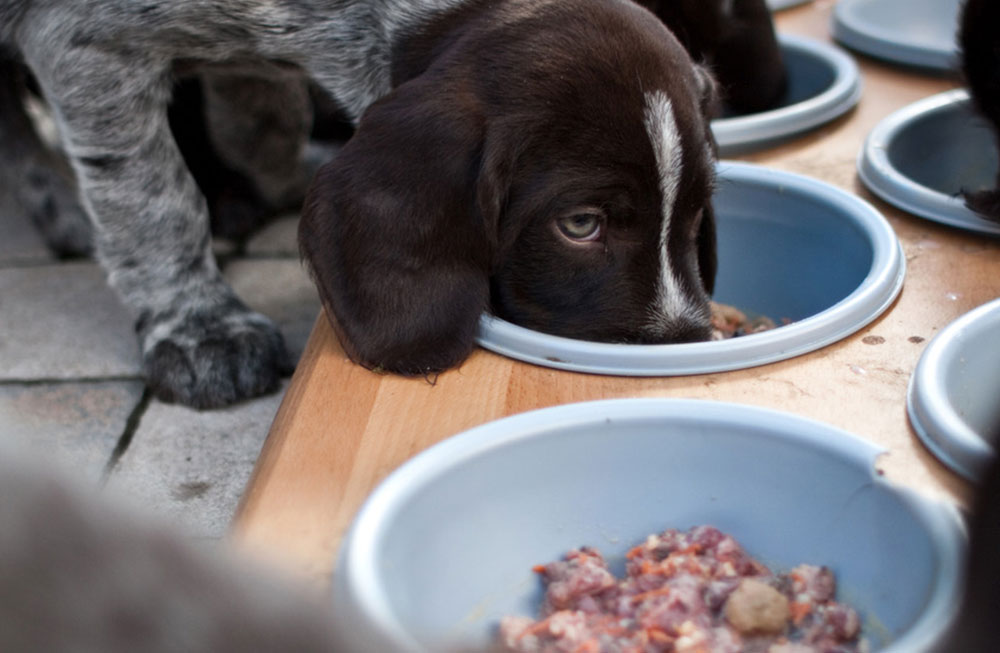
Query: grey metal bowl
[[921, 157], [444, 546], [790, 247], [917, 33], [954, 395], [824, 83]]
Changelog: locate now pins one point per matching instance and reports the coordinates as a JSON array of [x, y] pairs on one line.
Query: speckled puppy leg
[[201, 346]]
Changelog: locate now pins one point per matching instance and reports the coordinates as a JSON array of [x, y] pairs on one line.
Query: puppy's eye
[[582, 227]]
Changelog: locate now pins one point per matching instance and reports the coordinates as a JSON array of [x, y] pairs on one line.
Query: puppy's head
[[552, 163]]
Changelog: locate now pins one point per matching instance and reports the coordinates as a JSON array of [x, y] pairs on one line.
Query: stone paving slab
[[78, 425], [281, 290], [70, 377], [191, 467], [62, 321]]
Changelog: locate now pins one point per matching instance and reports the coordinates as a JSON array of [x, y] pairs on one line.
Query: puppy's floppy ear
[[708, 92], [399, 231]]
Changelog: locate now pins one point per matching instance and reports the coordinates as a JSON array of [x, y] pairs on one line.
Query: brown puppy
[[548, 160], [980, 46], [736, 40]]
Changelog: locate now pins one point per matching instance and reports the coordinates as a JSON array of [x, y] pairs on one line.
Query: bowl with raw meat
[[663, 524], [795, 253]]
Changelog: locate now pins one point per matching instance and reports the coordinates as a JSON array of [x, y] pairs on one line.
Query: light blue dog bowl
[[824, 83], [445, 545], [954, 396], [921, 157], [917, 33], [790, 247], [778, 5]]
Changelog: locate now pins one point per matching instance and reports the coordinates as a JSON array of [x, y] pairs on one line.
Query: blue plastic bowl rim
[[357, 576], [885, 42], [882, 178], [932, 415], [778, 5], [870, 299], [837, 99]]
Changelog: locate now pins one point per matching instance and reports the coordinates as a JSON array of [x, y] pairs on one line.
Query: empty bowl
[[917, 33], [921, 157], [952, 400], [792, 248], [444, 547], [823, 83]]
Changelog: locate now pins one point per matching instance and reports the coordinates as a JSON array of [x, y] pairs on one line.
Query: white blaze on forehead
[[671, 302]]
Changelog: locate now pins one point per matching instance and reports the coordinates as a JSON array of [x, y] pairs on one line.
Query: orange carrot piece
[[535, 628], [658, 636], [642, 596], [799, 611]]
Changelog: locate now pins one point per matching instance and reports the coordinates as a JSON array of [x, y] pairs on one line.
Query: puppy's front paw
[[211, 359]]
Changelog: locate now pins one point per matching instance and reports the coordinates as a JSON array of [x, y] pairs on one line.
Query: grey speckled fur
[[105, 67]]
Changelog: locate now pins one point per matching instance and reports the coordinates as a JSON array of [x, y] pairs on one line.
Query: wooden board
[[341, 429]]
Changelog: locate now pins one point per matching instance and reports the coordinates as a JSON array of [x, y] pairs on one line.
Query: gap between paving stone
[[128, 431], [190, 467], [75, 423], [275, 288], [70, 380]]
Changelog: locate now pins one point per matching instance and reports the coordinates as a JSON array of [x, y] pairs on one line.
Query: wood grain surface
[[341, 428]]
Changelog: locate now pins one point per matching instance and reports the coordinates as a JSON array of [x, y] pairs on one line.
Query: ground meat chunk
[[574, 581], [730, 322], [813, 583], [684, 592]]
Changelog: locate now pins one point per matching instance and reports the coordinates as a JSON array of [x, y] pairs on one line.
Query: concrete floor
[[71, 386]]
